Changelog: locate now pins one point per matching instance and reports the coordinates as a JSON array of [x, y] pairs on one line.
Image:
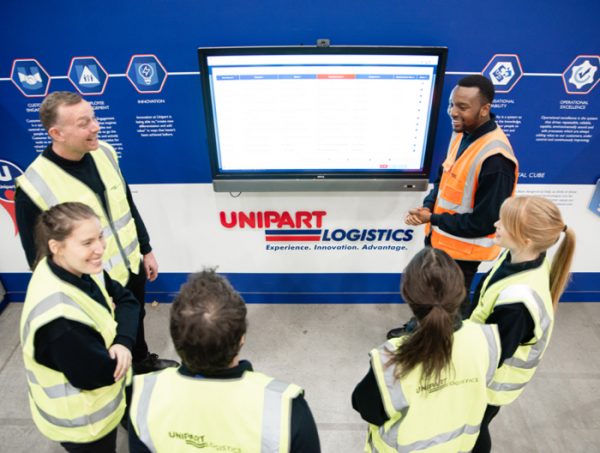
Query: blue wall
[[547, 36]]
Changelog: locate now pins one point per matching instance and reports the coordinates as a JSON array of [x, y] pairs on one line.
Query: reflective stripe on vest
[[481, 241], [109, 155], [470, 183], [45, 192], [456, 194], [524, 292], [272, 416], [114, 261], [123, 256], [142, 414], [55, 391], [60, 410], [401, 404], [471, 343], [117, 224], [392, 435], [122, 252], [493, 350], [531, 288], [87, 419], [270, 433], [399, 401], [45, 305]]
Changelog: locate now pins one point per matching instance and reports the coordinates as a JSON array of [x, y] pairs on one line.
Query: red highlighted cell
[[336, 76]]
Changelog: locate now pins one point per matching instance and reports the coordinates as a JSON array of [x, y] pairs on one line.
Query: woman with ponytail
[[426, 390], [520, 295], [78, 328]]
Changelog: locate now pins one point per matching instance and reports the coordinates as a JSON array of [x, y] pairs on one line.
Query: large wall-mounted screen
[[311, 118]]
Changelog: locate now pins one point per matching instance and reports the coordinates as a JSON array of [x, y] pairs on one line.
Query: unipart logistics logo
[[8, 173], [298, 228]]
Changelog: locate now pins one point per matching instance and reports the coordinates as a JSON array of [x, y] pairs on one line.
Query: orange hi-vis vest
[[456, 194]]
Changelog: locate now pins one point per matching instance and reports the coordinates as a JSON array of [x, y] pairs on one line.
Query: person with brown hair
[[215, 400], [520, 294], [78, 328], [427, 389], [77, 166]]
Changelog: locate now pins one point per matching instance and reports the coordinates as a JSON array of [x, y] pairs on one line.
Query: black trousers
[[484, 441], [469, 269], [137, 285], [108, 444]]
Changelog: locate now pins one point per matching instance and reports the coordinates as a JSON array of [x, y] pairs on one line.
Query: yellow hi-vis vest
[[46, 184], [532, 288], [456, 194], [61, 411], [436, 417], [171, 412]]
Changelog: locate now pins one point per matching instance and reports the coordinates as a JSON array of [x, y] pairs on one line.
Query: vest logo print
[[191, 439], [199, 441], [443, 383], [300, 228]]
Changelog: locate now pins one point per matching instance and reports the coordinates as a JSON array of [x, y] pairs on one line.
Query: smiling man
[[479, 173], [77, 166]]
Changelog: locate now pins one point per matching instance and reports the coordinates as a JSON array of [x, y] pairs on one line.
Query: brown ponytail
[[433, 287], [58, 223]]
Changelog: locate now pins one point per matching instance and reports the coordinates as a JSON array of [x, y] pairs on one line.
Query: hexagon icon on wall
[[582, 75], [30, 77], [146, 73], [87, 75], [504, 70]]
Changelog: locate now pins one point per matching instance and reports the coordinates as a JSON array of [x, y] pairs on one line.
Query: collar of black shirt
[[83, 283], [524, 265], [49, 154], [486, 127], [228, 373]]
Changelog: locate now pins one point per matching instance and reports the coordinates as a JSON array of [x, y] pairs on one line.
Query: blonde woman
[[520, 294]]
